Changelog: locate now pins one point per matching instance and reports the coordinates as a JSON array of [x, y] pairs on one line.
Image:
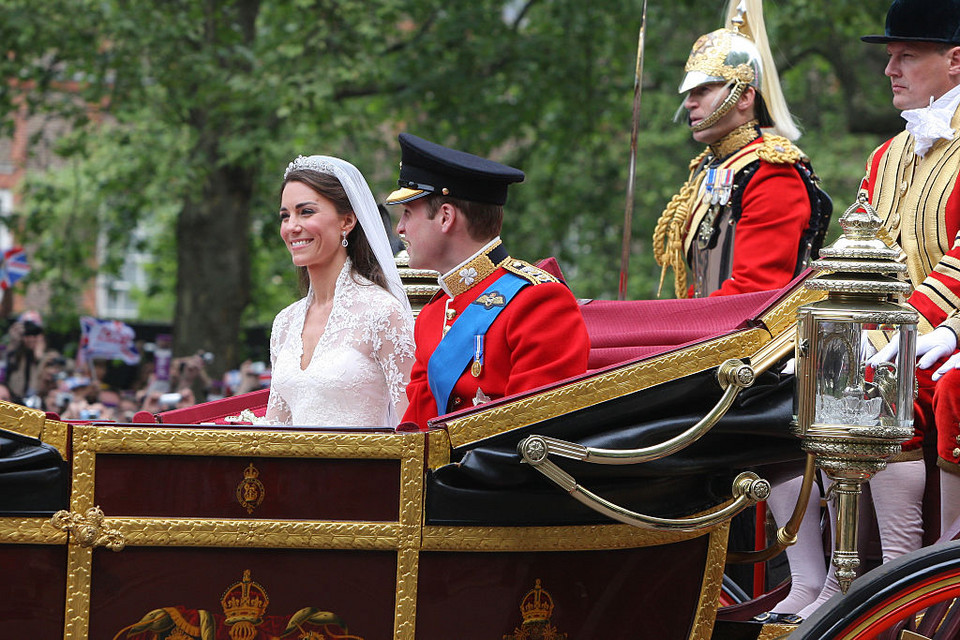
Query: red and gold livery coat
[[919, 202]]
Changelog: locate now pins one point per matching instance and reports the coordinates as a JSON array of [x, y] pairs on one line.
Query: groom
[[499, 325]]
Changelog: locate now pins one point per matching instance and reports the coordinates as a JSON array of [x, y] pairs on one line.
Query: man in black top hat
[[911, 180], [499, 325]]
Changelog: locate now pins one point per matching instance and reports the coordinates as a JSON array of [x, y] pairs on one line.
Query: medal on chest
[[477, 367], [718, 185]]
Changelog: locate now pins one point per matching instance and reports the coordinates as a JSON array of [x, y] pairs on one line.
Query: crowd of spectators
[[39, 377]]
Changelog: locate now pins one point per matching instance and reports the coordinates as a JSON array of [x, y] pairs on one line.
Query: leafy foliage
[[185, 113]]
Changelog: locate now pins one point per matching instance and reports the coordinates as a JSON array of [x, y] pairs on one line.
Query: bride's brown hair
[[358, 249]]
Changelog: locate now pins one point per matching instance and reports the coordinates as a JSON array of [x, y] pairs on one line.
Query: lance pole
[[632, 168]]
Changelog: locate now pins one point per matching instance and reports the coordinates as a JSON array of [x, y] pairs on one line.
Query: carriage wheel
[[911, 598]]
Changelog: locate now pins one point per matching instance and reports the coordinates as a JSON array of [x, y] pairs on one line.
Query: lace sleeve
[[278, 412], [395, 353]]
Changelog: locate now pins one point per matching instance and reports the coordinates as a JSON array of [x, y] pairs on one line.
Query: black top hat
[[427, 167], [921, 21]]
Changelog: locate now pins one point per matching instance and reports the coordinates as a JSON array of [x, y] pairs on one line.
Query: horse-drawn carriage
[[495, 523]]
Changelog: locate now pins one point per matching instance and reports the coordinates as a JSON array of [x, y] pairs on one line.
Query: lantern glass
[[851, 392]]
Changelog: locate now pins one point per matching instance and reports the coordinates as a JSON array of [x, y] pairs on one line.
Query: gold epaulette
[[779, 150], [535, 275]]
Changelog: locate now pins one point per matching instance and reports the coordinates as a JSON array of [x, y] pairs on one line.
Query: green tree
[[200, 104]]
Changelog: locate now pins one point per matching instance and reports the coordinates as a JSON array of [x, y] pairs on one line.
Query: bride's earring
[[344, 241]]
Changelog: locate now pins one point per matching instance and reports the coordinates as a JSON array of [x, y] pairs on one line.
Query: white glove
[[791, 367], [867, 350], [887, 354], [939, 343], [952, 363]]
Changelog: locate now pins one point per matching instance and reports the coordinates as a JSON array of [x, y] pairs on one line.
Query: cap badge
[[490, 300]]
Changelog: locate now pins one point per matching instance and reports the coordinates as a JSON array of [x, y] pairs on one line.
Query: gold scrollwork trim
[[33, 423], [776, 631], [20, 419], [30, 531], [88, 529], [572, 538], [603, 387], [783, 316], [84, 468], [411, 490], [405, 616], [77, 613], [706, 615], [56, 434], [438, 448], [183, 532], [235, 442]]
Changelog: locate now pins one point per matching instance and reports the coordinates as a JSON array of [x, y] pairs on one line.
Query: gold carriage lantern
[[853, 414]]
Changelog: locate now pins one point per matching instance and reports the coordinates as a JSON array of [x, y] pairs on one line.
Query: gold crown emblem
[[536, 605], [244, 601]]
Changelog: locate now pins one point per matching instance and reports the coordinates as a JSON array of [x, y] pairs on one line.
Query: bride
[[340, 356]]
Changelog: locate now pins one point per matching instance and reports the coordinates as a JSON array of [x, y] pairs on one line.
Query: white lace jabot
[[359, 370], [931, 123]]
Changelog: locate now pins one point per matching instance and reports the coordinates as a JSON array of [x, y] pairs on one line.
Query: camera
[[257, 367], [207, 357], [89, 414], [169, 400]]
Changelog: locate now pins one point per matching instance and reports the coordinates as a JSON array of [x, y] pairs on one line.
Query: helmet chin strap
[[724, 107]]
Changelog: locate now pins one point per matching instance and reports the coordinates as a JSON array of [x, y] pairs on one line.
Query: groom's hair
[[483, 219]]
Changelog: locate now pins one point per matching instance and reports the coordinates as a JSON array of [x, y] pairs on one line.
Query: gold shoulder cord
[[669, 232]]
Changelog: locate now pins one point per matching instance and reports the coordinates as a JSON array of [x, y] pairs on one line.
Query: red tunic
[[776, 211], [755, 237], [539, 338]]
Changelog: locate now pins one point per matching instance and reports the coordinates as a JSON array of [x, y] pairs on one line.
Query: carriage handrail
[[748, 489], [787, 534], [733, 376]]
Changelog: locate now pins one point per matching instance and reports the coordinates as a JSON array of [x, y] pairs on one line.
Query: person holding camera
[[190, 372], [24, 353]]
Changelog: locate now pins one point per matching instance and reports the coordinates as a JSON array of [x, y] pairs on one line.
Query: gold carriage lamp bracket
[[748, 488], [88, 529], [854, 411]]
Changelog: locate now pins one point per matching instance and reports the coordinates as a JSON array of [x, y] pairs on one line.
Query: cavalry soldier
[[749, 218], [751, 215], [911, 180], [498, 325]]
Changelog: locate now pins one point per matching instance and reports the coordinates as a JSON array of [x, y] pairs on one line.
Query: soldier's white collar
[[931, 123], [470, 271]]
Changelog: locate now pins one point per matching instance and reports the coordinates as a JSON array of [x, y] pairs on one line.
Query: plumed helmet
[[724, 55], [739, 55]]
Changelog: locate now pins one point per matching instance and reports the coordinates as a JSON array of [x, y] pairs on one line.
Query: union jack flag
[[13, 268]]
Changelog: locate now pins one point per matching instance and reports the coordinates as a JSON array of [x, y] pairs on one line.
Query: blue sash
[[456, 349]]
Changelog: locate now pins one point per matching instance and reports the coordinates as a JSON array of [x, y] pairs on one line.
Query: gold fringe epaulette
[[535, 275], [779, 150]]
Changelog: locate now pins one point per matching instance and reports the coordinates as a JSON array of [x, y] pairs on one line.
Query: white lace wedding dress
[[360, 368]]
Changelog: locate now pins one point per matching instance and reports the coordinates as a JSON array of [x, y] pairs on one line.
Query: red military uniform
[[919, 202], [752, 216], [538, 338]]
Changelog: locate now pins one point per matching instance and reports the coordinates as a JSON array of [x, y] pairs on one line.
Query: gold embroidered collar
[[474, 269], [735, 140]]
